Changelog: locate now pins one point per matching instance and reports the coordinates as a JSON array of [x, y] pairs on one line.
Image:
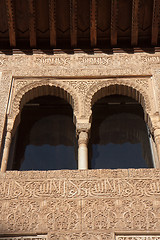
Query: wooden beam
[[114, 13], [32, 23], [155, 22], [93, 22], [134, 31], [52, 22], [11, 22], [73, 23]]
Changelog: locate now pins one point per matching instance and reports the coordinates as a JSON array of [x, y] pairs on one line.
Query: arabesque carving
[[81, 94], [133, 88], [73, 188], [28, 91], [81, 235], [83, 207]]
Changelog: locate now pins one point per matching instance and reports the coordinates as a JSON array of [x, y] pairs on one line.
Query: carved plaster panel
[[80, 64], [73, 215], [40, 215], [78, 188], [5, 83], [119, 214], [86, 207]]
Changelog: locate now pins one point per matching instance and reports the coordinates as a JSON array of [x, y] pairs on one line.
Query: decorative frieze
[[40, 215], [138, 237], [78, 188], [80, 60], [38, 237], [81, 236]]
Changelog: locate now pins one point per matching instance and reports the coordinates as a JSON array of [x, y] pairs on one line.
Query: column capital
[[155, 122], [83, 138], [10, 123], [157, 135], [83, 127]]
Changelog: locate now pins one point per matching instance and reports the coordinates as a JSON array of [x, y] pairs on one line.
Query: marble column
[[83, 150], [6, 149]]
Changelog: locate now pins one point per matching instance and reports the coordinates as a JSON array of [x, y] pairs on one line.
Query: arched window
[[45, 138], [119, 134]]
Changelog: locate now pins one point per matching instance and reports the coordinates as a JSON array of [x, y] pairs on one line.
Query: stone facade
[[81, 204]]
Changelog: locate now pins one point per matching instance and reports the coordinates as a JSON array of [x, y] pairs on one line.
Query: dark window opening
[[45, 138], [119, 135]]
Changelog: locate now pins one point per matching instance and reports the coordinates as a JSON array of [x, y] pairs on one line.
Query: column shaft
[[83, 150], [157, 141], [6, 152]]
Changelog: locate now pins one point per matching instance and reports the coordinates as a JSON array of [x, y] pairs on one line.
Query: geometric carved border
[[138, 237], [24, 237], [34, 89]]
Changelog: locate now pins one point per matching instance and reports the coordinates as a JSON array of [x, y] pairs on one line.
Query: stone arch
[[116, 87], [127, 88], [37, 89]]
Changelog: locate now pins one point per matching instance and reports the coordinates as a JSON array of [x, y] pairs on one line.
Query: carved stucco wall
[[94, 204], [86, 204]]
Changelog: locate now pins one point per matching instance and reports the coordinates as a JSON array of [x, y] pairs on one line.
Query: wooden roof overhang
[[79, 24]]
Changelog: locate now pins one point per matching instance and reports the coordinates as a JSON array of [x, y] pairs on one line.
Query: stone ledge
[[83, 174]]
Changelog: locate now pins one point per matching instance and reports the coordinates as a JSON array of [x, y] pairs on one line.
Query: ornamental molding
[[22, 237], [52, 87], [80, 60], [135, 88], [61, 187], [138, 237]]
